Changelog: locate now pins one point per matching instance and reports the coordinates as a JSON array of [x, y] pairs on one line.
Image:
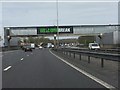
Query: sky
[[70, 12]]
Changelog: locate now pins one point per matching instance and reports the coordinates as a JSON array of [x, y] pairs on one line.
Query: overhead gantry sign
[[54, 30]]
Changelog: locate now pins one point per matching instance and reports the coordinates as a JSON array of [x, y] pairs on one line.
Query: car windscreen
[[27, 46], [94, 44]]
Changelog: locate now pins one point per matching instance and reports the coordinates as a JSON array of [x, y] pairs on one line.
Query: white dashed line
[[27, 55], [7, 68], [86, 74], [22, 59]]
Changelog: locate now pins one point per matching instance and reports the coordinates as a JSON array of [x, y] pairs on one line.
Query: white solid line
[[87, 74], [7, 68], [22, 59]]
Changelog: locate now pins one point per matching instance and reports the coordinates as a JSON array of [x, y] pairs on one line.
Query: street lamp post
[[8, 37], [0, 41], [55, 40], [57, 24], [101, 40], [1, 38], [93, 29], [100, 36]]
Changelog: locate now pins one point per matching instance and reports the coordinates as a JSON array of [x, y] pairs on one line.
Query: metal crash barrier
[[103, 56]]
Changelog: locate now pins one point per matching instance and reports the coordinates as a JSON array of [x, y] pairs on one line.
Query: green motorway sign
[[47, 30], [53, 30]]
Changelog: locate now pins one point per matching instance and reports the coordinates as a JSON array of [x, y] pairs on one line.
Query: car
[[32, 45], [94, 46], [51, 46], [40, 47], [27, 48]]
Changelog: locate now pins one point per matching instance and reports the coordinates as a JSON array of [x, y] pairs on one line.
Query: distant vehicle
[[40, 47], [45, 46], [32, 45], [49, 45], [52, 46], [94, 46], [27, 48]]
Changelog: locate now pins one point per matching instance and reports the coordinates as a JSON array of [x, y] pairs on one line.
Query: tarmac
[[109, 73]]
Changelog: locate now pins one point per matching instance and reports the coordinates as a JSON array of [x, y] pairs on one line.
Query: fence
[[102, 56]]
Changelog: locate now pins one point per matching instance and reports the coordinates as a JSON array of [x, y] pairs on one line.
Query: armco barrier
[[102, 56], [117, 50]]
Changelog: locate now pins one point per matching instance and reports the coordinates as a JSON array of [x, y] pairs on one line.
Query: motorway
[[41, 69]]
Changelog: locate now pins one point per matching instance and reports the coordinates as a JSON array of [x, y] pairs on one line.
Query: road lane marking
[[10, 51], [27, 55], [86, 74], [7, 68], [22, 59]]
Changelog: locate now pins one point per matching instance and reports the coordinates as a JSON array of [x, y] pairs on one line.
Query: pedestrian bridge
[[13, 34], [62, 30]]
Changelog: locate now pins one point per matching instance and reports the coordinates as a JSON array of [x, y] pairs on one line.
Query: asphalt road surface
[[41, 69]]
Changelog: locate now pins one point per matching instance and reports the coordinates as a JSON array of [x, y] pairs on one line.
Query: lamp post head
[[101, 34], [8, 36], [8, 28], [55, 35]]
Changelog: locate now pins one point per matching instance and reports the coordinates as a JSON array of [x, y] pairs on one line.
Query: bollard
[[66, 53], [70, 54], [88, 59], [74, 55], [80, 56], [102, 62]]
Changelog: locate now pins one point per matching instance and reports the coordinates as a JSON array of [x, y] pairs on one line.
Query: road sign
[[53, 30]]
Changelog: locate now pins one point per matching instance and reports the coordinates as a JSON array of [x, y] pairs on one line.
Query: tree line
[[81, 40]]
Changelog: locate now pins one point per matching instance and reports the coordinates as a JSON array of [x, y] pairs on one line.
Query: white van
[[32, 45], [94, 46]]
